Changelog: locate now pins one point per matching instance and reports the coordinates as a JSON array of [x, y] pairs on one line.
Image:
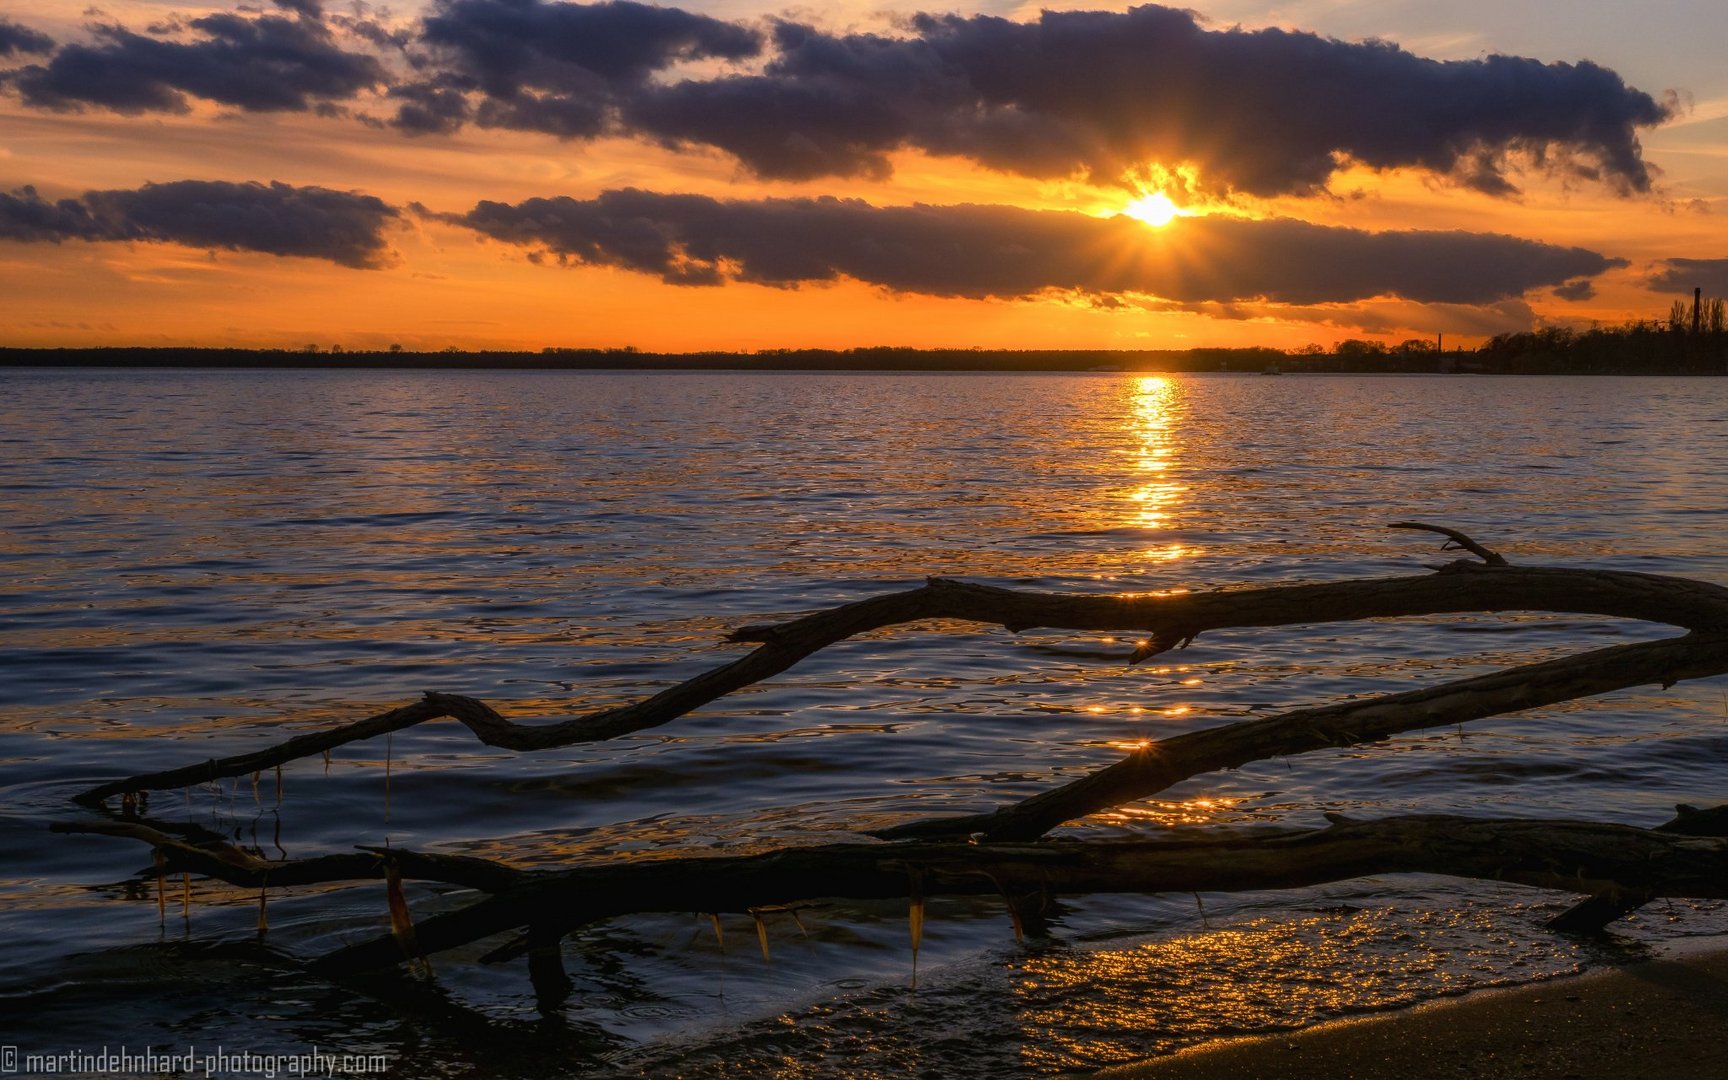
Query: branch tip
[[1455, 541]]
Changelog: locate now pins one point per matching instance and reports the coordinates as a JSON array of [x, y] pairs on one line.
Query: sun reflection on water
[[1199, 810], [1078, 1009], [1156, 407]]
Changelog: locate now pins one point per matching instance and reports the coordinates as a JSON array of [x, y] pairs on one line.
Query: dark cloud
[[1003, 251], [385, 37], [556, 67], [824, 107], [1582, 289], [1265, 112], [308, 222], [263, 64], [1099, 94], [509, 44], [435, 106], [26, 216], [16, 39], [1684, 275]]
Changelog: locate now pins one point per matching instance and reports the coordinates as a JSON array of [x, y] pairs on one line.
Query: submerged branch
[[1564, 855], [1169, 761], [1169, 620], [1594, 914], [226, 862], [1619, 867]]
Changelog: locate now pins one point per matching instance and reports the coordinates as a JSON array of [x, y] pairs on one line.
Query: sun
[[1155, 209]]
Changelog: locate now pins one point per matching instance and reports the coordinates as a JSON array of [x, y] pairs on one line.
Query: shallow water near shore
[[197, 563]]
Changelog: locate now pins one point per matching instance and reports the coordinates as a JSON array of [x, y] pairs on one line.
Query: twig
[[1457, 540]]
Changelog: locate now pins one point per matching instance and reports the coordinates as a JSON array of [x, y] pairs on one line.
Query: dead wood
[[215, 858], [1168, 620], [1618, 866], [1169, 761], [1619, 900], [1455, 540], [1563, 855]]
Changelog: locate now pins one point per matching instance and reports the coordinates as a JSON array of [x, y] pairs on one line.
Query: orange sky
[[446, 285]]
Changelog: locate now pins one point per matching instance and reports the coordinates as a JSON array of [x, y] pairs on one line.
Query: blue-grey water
[[196, 563]]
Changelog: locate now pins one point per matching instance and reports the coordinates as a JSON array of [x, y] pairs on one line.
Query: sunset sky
[[739, 175]]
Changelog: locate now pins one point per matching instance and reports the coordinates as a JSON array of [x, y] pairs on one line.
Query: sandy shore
[[1660, 1018]]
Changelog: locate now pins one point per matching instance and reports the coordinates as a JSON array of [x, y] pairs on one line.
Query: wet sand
[[1666, 1017]]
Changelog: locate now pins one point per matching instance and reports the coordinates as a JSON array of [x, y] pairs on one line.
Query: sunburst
[[1156, 209]]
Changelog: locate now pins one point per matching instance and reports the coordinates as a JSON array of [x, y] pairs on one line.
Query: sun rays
[[1156, 209]]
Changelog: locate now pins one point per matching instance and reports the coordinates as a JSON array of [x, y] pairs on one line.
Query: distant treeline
[[1692, 340], [870, 359]]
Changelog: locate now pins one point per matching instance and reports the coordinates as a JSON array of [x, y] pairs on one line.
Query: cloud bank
[[1091, 93], [342, 227], [1005, 252], [1265, 112], [261, 64]]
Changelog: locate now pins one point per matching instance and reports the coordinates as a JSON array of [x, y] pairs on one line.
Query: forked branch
[[1167, 619], [1620, 866], [1455, 541]]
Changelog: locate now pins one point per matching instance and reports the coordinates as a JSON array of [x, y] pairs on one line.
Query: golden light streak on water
[[1198, 810], [1261, 975], [1155, 409]]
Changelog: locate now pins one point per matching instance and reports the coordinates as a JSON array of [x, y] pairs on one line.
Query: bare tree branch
[[1620, 867], [1564, 855], [1169, 761], [1169, 619], [225, 862], [1594, 914], [1457, 540]]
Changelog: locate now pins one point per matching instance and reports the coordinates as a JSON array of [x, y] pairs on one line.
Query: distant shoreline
[[1251, 360], [868, 359]]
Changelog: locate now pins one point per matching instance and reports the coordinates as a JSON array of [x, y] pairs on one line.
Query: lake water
[[196, 563]]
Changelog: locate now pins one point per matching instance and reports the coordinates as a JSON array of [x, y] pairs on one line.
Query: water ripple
[[197, 562]]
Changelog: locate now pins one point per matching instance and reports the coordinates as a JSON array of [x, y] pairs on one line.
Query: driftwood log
[[1579, 857], [1618, 867]]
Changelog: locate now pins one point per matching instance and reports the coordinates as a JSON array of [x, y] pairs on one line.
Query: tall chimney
[[1697, 309]]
